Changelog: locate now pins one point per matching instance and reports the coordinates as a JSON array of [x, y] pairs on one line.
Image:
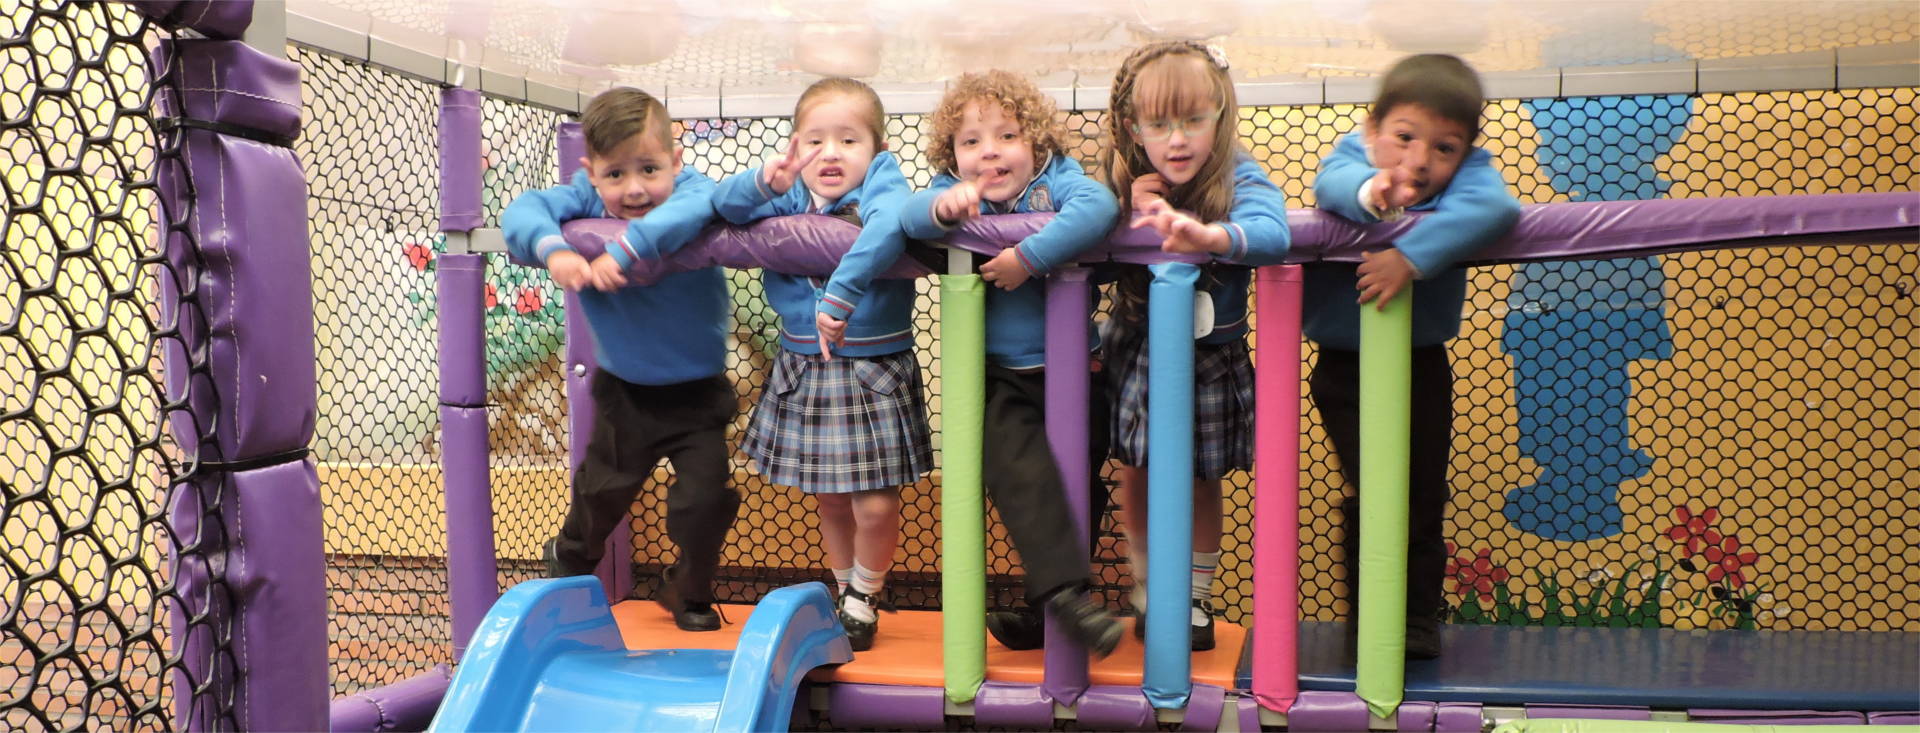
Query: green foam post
[[1386, 382], [963, 513]]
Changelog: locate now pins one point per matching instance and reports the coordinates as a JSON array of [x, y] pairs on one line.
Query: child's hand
[[957, 204], [607, 275], [1183, 234], [1149, 190], [1004, 271], [780, 174], [1394, 189], [833, 332], [569, 270], [1383, 275]]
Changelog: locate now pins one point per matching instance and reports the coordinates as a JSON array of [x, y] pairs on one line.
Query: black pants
[[634, 426], [1023, 479], [1336, 392]]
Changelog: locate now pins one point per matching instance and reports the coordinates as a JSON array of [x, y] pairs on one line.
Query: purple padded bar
[[1205, 706], [405, 705], [1721, 716], [1068, 312], [1112, 707], [212, 18], [1414, 715], [460, 160], [1590, 712], [1249, 711], [1459, 717], [472, 578], [1012, 705], [1327, 711], [887, 707], [1905, 717], [1560, 231]]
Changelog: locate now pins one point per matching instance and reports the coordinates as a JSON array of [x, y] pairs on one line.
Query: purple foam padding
[[887, 707], [1458, 717], [252, 320], [461, 289], [1329, 711], [1571, 230], [405, 705], [213, 18], [1591, 712], [1908, 717], [268, 597], [460, 209], [1722, 716], [1205, 706], [1068, 314], [1249, 711], [1114, 707], [1012, 705], [471, 568], [1414, 715]]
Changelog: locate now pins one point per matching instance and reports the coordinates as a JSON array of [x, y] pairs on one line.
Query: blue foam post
[[1168, 675]]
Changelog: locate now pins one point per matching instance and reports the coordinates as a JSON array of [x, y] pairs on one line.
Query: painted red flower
[[418, 255], [1696, 530], [1725, 560], [493, 296], [1477, 573], [528, 301]]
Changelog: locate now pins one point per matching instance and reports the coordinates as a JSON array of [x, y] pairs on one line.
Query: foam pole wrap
[[963, 518], [1169, 663], [1067, 319], [1386, 368], [1276, 514], [472, 572]]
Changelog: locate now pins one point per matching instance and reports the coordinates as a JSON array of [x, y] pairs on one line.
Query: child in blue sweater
[[659, 391], [1416, 153], [1176, 166], [842, 416], [1000, 150]]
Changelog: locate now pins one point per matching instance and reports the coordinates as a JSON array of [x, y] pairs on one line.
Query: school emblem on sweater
[[1040, 200]]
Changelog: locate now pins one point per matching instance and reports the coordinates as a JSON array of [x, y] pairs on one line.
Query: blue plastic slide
[[548, 657]]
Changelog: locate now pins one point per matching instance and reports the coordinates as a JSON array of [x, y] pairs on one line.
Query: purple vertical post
[[616, 567], [1065, 677], [472, 573]]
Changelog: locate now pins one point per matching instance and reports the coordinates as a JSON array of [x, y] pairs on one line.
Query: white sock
[[1137, 565], [842, 577], [865, 581], [1205, 565]]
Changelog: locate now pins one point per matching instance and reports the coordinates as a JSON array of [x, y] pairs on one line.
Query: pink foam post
[[1276, 534]]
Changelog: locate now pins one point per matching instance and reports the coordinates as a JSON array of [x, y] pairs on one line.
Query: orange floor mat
[[908, 650]]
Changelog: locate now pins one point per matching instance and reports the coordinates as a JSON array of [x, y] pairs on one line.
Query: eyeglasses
[[1157, 130]]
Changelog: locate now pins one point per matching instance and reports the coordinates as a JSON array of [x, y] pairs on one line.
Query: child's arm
[[880, 243], [1257, 229], [1474, 211], [918, 219], [1343, 173], [1086, 213], [743, 198], [531, 226], [669, 226]]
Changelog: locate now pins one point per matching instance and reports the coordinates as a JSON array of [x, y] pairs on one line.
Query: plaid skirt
[[839, 426], [1222, 403]]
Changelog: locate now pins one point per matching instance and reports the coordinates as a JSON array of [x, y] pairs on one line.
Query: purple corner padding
[[460, 160], [1723, 716], [1205, 706], [268, 596], [1068, 314], [460, 285], [472, 572], [1414, 715], [1113, 707], [1012, 705], [888, 707], [1459, 717], [804, 244], [213, 18], [1248, 709], [233, 83], [1591, 712], [1903, 717], [1327, 711], [405, 705]]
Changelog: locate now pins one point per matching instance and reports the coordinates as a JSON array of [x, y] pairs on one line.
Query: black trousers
[[1336, 392], [1023, 479], [634, 426]]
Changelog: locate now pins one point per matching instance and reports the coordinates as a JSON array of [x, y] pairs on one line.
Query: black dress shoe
[[1086, 621], [1018, 630], [687, 615], [550, 553], [860, 633], [1203, 633]]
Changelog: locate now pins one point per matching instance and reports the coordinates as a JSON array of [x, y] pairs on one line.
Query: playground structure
[[116, 522]]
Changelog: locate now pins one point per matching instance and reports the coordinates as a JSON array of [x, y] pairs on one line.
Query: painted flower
[[418, 255], [493, 296], [1475, 574], [1726, 560], [527, 301], [1694, 530]]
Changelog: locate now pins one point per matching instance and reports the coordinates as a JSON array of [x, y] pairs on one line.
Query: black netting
[[92, 481], [370, 151]]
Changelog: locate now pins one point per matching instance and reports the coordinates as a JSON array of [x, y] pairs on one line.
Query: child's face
[[1429, 146], [635, 177], [837, 128], [990, 149], [1177, 136]]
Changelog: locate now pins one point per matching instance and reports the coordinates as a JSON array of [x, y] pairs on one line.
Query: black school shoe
[[1018, 630], [1086, 621], [860, 633], [1202, 635], [687, 615], [1423, 638]]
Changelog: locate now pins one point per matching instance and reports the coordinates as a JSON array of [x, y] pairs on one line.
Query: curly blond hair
[[1039, 118]]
